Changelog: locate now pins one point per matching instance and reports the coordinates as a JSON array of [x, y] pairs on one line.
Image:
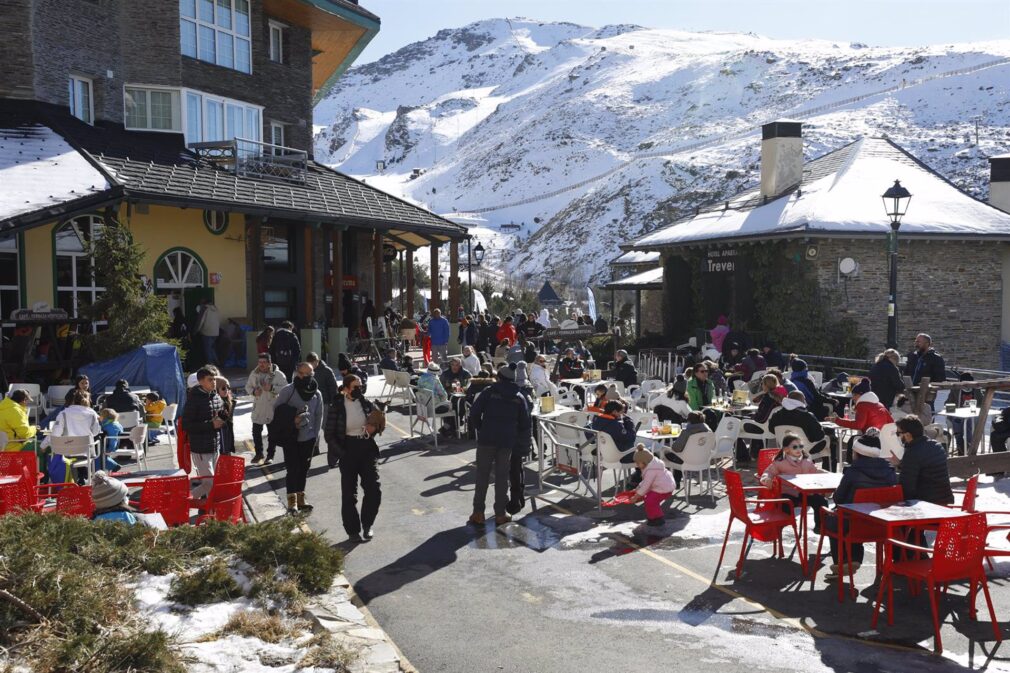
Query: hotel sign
[[719, 261]]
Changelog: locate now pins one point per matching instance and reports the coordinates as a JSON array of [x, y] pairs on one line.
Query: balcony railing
[[255, 159]]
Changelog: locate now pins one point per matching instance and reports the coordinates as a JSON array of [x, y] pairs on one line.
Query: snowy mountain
[[588, 137]]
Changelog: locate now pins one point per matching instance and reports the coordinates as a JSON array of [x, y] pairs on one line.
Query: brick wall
[[16, 80]]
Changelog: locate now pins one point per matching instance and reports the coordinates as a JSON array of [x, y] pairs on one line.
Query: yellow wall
[[164, 228], [157, 231]]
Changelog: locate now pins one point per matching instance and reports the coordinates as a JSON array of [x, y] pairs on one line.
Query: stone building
[[190, 123], [820, 226]]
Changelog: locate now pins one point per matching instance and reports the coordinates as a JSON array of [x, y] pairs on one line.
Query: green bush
[[210, 583]]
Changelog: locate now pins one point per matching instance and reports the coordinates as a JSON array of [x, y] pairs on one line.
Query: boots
[[292, 503], [302, 506]]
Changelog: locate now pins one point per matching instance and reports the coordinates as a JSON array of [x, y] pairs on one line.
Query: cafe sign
[[719, 261]]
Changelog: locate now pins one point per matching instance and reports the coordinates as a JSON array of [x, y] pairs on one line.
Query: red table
[[823, 483], [905, 514]]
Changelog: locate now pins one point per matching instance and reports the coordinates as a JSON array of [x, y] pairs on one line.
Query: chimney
[[999, 182], [781, 156]]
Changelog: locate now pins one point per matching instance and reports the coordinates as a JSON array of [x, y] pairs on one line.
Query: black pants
[[517, 482], [815, 501], [257, 432], [498, 460], [359, 459], [297, 456], [855, 553]]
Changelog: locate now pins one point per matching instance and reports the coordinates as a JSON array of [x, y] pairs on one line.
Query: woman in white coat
[[539, 377], [77, 419], [264, 384]]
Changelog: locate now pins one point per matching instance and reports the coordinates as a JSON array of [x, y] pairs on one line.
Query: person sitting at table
[[772, 355], [751, 363], [923, 467], [835, 385], [570, 366], [502, 350], [388, 361], [14, 420], [794, 412], [112, 500], [599, 401], [868, 470], [624, 371], [792, 460], [769, 400], [672, 405], [456, 379], [471, 363], [620, 428], [700, 391], [540, 378], [717, 377], [110, 427], [695, 424], [885, 377], [870, 413], [78, 419], [408, 366], [815, 400], [731, 357], [154, 407], [123, 400], [961, 398], [783, 381], [430, 380], [516, 353]]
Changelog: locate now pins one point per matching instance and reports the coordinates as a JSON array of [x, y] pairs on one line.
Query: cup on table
[[972, 404], [950, 407]]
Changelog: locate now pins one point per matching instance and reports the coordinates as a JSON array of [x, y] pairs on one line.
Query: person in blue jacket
[[438, 331], [615, 423]]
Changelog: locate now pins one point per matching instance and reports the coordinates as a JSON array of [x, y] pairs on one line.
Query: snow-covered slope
[[588, 137]]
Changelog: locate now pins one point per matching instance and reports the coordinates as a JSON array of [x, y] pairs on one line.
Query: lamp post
[[896, 200]]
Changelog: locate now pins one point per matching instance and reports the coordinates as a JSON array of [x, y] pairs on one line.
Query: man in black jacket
[[623, 370], [794, 412], [923, 467], [501, 416], [122, 400], [285, 349], [925, 361], [201, 419], [347, 367], [325, 378]]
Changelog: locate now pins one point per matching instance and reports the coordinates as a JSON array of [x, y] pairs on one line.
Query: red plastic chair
[[968, 495], [764, 459], [168, 496], [11, 463], [957, 556], [75, 501], [224, 503], [761, 525], [229, 471], [21, 495]]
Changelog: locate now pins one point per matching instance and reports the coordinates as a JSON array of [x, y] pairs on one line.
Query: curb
[[339, 611]]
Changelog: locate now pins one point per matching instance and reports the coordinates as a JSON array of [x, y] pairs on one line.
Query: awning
[[647, 280]]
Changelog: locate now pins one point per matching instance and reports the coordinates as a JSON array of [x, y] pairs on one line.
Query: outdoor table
[[136, 391], [905, 514], [967, 414], [823, 483], [539, 434], [841, 434], [137, 479], [739, 412]]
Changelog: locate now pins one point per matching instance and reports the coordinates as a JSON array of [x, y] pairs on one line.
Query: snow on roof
[[38, 169], [639, 281], [840, 193], [635, 257]]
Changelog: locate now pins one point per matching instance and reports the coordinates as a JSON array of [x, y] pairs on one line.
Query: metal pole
[[469, 269], [892, 304]]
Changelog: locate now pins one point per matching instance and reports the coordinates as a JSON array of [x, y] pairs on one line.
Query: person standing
[[201, 419], [303, 395], [924, 361], [885, 377], [325, 378], [501, 417], [285, 349], [349, 437], [507, 331], [263, 383], [438, 330], [228, 415], [208, 327]]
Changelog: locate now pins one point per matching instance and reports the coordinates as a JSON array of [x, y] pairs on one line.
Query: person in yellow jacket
[[14, 420]]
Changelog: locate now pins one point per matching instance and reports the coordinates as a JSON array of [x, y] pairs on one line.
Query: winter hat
[[722, 320], [841, 378], [680, 385], [643, 455], [862, 387], [798, 365], [108, 492], [507, 372], [265, 356], [623, 353], [433, 367], [865, 450], [780, 392], [521, 379]]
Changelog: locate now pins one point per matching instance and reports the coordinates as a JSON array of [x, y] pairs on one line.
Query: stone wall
[[652, 312], [16, 81]]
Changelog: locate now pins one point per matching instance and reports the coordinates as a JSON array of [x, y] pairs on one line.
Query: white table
[[823, 483], [966, 414], [136, 391]]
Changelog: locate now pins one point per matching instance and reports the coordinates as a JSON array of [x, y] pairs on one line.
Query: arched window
[[179, 269], [75, 276], [10, 278]]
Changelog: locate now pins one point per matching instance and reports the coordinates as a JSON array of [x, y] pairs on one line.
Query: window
[[276, 42], [81, 99], [277, 133], [216, 31], [10, 280], [210, 118], [216, 221], [178, 269], [76, 286], [277, 247], [277, 304], [152, 109]]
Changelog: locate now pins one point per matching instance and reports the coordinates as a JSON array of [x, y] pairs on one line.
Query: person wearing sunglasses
[[792, 460], [227, 415]]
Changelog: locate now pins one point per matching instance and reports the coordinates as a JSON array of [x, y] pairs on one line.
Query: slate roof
[[839, 195], [157, 168]]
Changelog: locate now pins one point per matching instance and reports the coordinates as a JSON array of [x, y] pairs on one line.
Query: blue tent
[[155, 366]]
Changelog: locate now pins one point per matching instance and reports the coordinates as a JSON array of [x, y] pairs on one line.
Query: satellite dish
[[848, 266]]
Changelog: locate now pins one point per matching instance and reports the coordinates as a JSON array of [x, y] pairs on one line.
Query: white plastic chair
[[571, 445], [38, 403], [750, 429], [401, 384], [640, 394], [642, 419], [57, 395], [129, 419], [168, 422], [82, 448], [427, 414], [619, 385], [569, 398], [889, 442], [387, 375], [138, 437], [816, 377], [610, 457], [726, 435], [816, 451], [758, 375], [697, 456]]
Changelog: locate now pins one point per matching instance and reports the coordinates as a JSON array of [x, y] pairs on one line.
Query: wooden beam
[[337, 269], [309, 262], [435, 290], [254, 236], [454, 288], [965, 467], [983, 415], [410, 284], [377, 293]]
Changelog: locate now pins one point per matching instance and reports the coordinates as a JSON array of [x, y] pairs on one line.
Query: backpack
[[282, 429]]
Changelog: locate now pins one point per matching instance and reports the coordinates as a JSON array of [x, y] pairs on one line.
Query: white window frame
[[274, 127], [237, 36], [180, 98], [75, 104], [178, 123], [276, 32], [79, 285]]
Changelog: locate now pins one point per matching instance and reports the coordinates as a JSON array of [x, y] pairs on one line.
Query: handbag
[[282, 429]]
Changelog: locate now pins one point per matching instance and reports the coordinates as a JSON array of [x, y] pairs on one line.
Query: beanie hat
[[865, 449], [862, 387], [521, 379], [798, 365], [507, 373], [643, 455], [108, 492]]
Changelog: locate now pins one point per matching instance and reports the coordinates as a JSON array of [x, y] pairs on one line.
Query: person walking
[[285, 349], [202, 420], [263, 383], [208, 327], [349, 437], [327, 382], [304, 409], [438, 330], [501, 417]]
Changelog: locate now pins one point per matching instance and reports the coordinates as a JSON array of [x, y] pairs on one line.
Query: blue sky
[[875, 22]]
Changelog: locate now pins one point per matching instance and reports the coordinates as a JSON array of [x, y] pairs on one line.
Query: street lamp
[[896, 200], [478, 253]]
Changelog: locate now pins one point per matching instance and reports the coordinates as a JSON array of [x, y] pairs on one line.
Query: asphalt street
[[559, 591]]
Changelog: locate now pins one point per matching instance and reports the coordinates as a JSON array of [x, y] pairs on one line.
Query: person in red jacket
[[870, 413], [507, 331]]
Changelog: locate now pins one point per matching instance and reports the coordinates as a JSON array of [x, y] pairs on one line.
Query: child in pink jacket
[[657, 485], [792, 459]]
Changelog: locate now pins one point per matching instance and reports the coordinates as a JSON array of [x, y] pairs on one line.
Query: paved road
[[558, 591]]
